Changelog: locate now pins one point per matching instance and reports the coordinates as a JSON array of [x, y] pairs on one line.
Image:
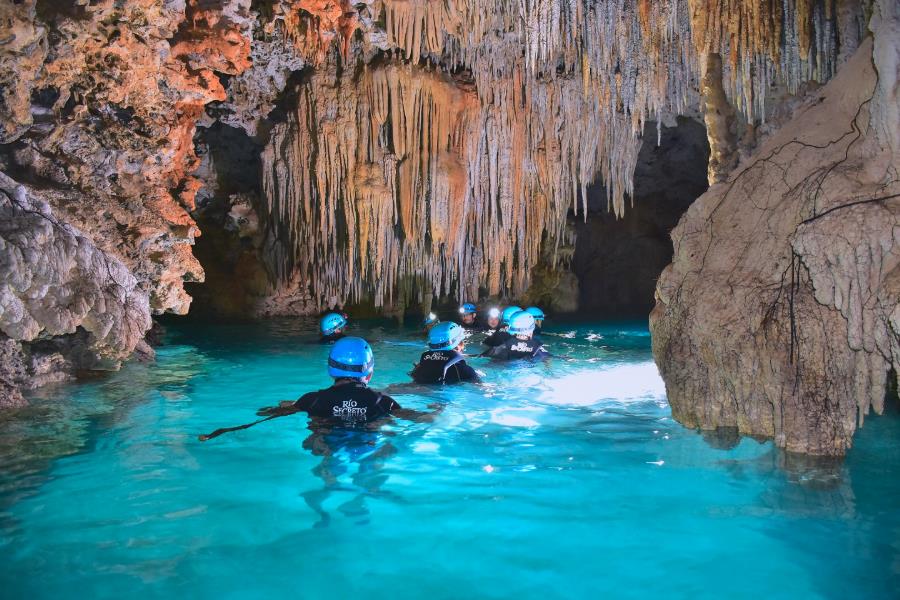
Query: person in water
[[444, 362], [538, 315], [501, 335], [468, 315], [332, 327], [344, 425], [521, 343], [430, 321], [350, 401], [492, 322]]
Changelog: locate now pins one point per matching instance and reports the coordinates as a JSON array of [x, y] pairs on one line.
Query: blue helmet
[[507, 314], [446, 336], [522, 323], [430, 319], [468, 309], [332, 322], [351, 357], [535, 312]]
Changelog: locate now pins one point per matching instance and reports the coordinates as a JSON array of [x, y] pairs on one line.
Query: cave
[[349, 281], [618, 260]]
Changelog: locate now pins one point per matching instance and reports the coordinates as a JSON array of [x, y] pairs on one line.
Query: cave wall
[[437, 148], [617, 260], [779, 312]]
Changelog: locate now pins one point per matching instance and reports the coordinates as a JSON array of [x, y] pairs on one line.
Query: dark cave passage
[[617, 261]]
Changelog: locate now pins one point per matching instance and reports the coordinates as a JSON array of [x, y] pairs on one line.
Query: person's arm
[[501, 352], [492, 340], [286, 407], [541, 352], [409, 414]]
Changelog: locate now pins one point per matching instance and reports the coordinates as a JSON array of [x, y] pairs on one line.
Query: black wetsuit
[[443, 366], [496, 338], [331, 337], [514, 348], [347, 404]]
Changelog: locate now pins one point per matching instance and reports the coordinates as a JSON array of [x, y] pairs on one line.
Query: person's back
[[348, 402], [443, 366], [515, 348], [521, 342], [444, 362]]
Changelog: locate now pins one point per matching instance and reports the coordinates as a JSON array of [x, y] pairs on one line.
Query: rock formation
[[779, 313], [391, 152]]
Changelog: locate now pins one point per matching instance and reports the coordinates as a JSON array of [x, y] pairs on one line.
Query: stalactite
[[403, 171]]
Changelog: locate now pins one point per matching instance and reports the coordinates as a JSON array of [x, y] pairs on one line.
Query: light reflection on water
[[565, 479]]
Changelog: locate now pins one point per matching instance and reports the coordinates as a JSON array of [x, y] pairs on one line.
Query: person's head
[[430, 321], [507, 314], [493, 318], [351, 358], [521, 325], [332, 323], [447, 336], [538, 315], [467, 313]]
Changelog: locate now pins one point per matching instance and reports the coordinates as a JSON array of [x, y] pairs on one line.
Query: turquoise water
[[562, 480]]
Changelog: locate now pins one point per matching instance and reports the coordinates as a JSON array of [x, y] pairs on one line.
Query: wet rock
[[12, 373], [54, 280], [779, 312]]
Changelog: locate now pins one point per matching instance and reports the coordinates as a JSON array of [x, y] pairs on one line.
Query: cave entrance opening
[[618, 260]]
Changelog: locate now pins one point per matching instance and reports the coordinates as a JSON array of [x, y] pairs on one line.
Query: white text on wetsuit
[[349, 411]]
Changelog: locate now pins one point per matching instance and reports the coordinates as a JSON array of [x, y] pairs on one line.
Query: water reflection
[[362, 453], [66, 419]]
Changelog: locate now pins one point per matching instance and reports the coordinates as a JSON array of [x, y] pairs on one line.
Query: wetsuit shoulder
[[431, 366], [386, 402], [497, 351]]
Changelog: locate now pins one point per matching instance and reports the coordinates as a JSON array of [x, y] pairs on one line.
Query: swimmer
[[492, 323], [468, 312], [501, 335], [521, 343], [332, 327], [350, 402], [444, 362], [429, 322], [538, 315]]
